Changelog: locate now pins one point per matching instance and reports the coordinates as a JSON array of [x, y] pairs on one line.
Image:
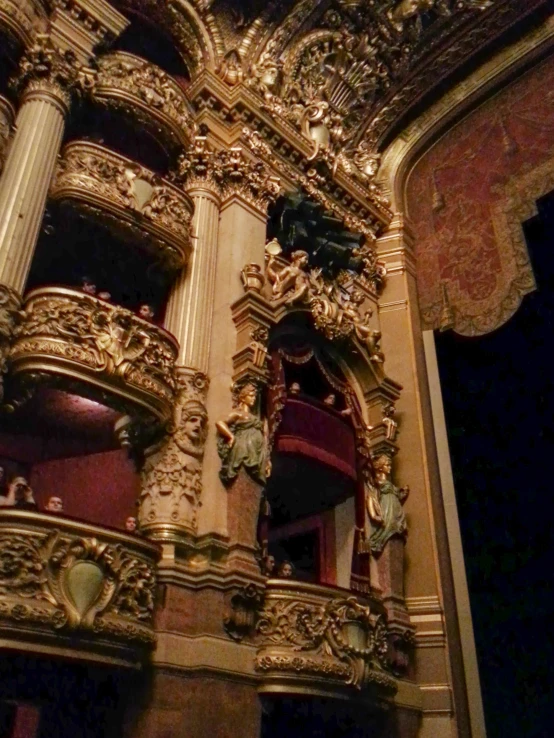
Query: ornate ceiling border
[[416, 139]]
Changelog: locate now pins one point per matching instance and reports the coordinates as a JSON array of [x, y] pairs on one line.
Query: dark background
[[498, 393]]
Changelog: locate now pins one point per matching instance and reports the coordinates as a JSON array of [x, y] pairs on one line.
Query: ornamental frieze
[[66, 580], [95, 338], [96, 177], [144, 90], [307, 631]]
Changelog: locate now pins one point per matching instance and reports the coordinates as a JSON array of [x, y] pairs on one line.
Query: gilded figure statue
[[385, 502], [291, 278], [242, 439]]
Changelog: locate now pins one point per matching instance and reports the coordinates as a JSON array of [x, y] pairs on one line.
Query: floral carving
[[162, 212], [172, 474], [42, 579], [340, 637], [105, 338]]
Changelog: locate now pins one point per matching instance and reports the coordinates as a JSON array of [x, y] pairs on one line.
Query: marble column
[[26, 177], [45, 78], [172, 475], [190, 307]]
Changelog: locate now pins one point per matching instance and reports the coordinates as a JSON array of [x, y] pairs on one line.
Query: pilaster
[[428, 579]]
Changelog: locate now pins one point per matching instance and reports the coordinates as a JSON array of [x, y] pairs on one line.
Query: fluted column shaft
[[26, 178], [190, 307]]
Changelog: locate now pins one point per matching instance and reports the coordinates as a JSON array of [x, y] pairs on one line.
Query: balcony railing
[[89, 346], [75, 589], [145, 92], [131, 200], [320, 640]]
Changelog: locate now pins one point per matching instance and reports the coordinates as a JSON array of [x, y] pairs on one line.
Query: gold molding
[[134, 201], [76, 587], [141, 89], [69, 337]]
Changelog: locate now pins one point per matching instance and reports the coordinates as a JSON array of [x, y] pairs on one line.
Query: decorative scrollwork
[[342, 637], [113, 185], [106, 339], [74, 582]]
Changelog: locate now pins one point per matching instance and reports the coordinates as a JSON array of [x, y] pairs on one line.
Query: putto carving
[[337, 313], [385, 515], [83, 583], [45, 66], [172, 474], [10, 313], [242, 442], [114, 181], [340, 638]]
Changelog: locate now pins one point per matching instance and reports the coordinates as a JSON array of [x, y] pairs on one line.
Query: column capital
[[47, 71], [227, 173]]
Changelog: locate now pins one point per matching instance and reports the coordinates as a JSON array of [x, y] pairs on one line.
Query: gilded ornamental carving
[[63, 577], [10, 313], [308, 631], [98, 343], [385, 516], [142, 205], [172, 474], [125, 81], [45, 66]]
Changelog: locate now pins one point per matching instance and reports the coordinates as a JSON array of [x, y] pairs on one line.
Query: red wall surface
[[99, 488]]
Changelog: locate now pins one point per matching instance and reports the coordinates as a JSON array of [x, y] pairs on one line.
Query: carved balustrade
[[145, 92], [75, 589], [134, 202], [321, 640], [92, 347]]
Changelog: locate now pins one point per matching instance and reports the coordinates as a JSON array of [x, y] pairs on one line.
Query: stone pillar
[[172, 475], [46, 75], [190, 307], [427, 587], [242, 236]]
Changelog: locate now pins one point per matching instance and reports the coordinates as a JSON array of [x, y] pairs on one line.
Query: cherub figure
[[292, 277]]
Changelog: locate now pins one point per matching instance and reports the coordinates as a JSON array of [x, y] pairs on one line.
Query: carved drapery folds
[[242, 441], [311, 638], [172, 474], [132, 199], [385, 516], [143, 90], [108, 349], [57, 576]]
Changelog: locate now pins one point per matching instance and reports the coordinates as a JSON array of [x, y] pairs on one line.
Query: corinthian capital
[[250, 179], [199, 167], [46, 67]]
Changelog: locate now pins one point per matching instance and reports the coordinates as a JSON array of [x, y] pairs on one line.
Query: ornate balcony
[[145, 92], [321, 640], [75, 589], [91, 347], [143, 208]]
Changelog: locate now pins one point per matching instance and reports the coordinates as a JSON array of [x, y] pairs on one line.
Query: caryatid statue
[[172, 475]]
